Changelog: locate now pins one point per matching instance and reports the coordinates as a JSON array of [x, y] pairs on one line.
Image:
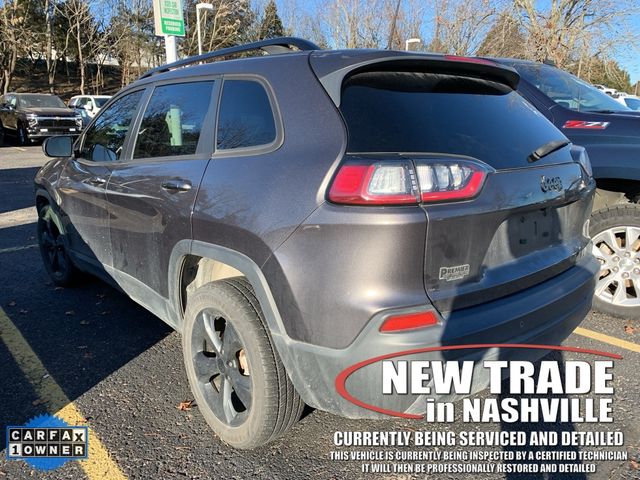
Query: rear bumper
[[545, 314]]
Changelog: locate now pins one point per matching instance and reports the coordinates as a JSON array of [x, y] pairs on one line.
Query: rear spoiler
[[332, 67]]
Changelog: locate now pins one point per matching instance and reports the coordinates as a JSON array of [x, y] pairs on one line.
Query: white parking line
[[18, 217], [17, 249]]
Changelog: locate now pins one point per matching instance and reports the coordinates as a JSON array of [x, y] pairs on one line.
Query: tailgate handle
[[177, 185]]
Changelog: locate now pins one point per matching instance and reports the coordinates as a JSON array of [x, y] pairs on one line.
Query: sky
[[628, 57]]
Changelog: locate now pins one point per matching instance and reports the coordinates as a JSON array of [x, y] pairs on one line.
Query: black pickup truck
[[35, 116], [611, 134]]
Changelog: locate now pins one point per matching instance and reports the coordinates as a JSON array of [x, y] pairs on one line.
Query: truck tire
[[22, 135], [236, 376], [615, 232]]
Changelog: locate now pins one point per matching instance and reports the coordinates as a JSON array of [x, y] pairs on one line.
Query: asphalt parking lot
[[122, 369]]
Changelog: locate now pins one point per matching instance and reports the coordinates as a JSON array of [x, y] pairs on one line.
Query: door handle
[[97, 181], [177, 185]]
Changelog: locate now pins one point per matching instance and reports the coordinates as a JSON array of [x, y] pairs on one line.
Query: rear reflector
[[406, 182], [410, 321]]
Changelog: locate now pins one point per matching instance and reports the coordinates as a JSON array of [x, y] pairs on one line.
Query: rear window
[[245, 119], [439, 113]]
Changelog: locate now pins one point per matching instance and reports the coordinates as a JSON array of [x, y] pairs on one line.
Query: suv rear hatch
[[525, 221]]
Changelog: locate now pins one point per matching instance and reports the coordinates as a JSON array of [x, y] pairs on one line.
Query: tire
[[615, 232], [3, 136], [213, 356], [22, 135], [54, 248]]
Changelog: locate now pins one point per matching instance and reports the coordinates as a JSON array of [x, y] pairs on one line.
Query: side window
[[173, 120], [103, 142], [12, 100], [245, 118]]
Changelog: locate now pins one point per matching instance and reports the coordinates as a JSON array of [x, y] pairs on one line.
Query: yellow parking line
[[99, 464], [634, 347]]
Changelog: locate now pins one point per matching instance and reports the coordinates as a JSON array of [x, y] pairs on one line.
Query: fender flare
[[235, 259]]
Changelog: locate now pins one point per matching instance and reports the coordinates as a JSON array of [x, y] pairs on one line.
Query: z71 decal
[[585, 125]]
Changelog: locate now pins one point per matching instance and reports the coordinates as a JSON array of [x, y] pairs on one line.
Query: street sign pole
[[170, 48], [169, 23]]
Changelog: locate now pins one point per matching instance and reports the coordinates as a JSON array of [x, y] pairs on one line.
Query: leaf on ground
[[186, 405], [23, 311], [39, 401], [629, 329], [58, 289], [106, 312], [85, 322], [69, 313], [12, 303], [635, 465]]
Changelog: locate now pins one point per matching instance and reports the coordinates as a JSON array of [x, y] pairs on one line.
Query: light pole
[[201, 6], [410, 41]]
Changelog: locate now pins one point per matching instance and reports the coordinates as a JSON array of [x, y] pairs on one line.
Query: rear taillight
[[379, 183], [407, 182]]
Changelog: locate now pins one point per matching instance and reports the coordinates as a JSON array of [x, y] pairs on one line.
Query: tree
[[231, 22], [270, 24], [568, 31], [504, 39], [460, 26], [17, 37], [602, 71], [132, 34]]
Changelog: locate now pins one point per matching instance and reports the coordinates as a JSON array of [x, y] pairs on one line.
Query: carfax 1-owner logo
[[47, 442]]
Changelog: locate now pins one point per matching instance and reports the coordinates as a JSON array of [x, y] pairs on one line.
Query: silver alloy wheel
[[619, 279]]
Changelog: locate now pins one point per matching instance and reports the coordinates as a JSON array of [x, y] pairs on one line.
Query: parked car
[[294, 214], [609, 91], [611, 134], [630, 101], [32, 116], [87, 106]]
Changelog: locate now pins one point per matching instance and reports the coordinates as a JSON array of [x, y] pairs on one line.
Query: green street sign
[[168, 17]]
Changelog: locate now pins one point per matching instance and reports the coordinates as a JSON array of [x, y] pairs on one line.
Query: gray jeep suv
[[297, 213]]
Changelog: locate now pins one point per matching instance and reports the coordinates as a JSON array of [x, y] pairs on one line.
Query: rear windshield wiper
[[546, 149]]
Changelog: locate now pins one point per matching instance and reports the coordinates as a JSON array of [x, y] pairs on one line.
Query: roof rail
[[271, 45]]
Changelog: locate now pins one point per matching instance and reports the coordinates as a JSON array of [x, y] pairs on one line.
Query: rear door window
[[173, 120], [246, 118], [408, 112]]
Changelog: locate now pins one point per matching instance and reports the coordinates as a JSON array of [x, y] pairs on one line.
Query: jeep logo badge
[[548, 184]]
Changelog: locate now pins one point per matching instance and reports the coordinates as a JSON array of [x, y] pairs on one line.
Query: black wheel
[[3, 136], [615, 232], [53, 247], [23, 136], [237, 379]]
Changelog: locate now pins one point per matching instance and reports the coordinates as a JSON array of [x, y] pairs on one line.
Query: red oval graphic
[[342, 377]]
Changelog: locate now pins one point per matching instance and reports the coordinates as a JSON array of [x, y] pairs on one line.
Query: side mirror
[[60, 146]]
